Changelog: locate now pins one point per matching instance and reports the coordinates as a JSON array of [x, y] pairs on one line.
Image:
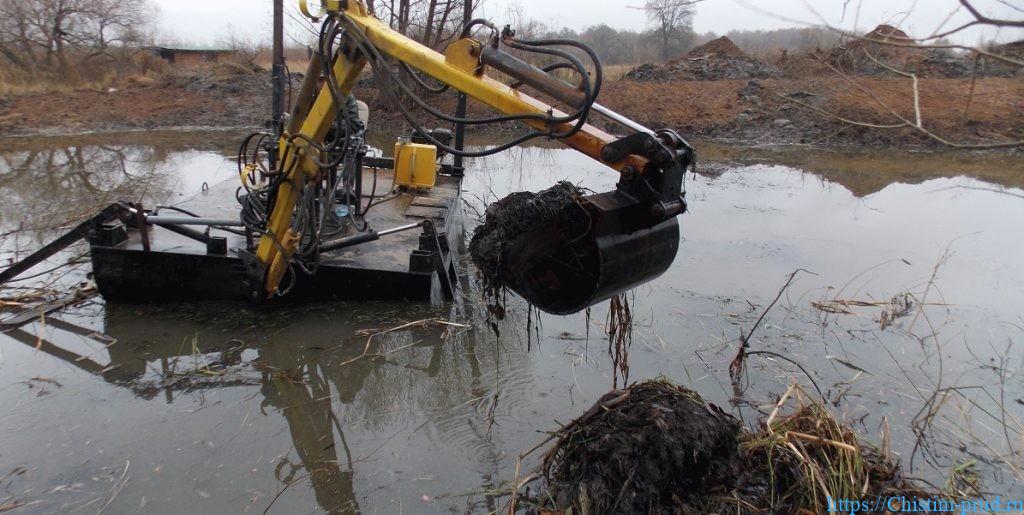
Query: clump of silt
[[640, 450], [553, 215], [659, 448]]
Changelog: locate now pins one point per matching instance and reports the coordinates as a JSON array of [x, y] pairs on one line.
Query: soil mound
[[659, 448], [719, 59], [998, 68], [937, 62], [639, 450], [886, 44], [887, 48], [722, 47], [799, 65], [555, 209], [1014, 49]]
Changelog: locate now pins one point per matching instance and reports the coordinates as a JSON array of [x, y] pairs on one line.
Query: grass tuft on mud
[[655, 447]]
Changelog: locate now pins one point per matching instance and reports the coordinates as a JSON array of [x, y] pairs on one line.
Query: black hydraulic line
[[427, 87], [580, 116], [365, 237], [468, 27], [373, 53], [385, 85], [186, 232]]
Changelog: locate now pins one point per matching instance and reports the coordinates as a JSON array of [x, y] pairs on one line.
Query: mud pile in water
[[644, 449], [549, 214], [659, 448]]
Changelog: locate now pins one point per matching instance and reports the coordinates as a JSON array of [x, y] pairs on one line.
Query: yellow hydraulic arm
[[462, 67]]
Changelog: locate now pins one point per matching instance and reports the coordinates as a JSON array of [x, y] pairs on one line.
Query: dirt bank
[[761, 111], [806, 110], [217, 98]]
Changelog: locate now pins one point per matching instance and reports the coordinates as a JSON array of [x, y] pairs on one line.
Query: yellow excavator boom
[[463, 66]]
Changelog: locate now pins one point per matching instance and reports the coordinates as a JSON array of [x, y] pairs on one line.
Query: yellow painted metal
[[415, 165], [464, 54], [297, 155], [502, 98], [315, 15], [461, 72]]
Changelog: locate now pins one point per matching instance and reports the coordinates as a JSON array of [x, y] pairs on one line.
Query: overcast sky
[[205, 22]]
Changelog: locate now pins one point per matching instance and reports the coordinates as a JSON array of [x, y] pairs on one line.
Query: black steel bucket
[[562, 276]]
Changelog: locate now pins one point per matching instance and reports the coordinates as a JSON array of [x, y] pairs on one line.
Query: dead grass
[[613, 72]]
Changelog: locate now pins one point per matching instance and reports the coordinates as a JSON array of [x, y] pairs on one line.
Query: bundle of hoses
[[398, 93], [316, 202]]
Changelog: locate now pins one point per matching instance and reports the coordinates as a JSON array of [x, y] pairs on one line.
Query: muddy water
[[231, 408]]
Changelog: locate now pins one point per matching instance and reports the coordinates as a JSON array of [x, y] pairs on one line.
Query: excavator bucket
[[564, 252]]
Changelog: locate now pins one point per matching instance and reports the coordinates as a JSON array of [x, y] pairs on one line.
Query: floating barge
[[163, 262]]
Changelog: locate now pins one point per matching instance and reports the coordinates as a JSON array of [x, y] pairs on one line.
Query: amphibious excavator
[[301, 178]]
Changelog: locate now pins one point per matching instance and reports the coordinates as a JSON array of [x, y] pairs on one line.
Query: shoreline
[[753, 113]]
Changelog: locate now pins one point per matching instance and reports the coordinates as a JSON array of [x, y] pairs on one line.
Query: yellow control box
[[415, 165]]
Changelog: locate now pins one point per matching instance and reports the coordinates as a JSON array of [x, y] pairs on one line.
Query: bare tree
[[669, 18], [38, 34], [431, 22]]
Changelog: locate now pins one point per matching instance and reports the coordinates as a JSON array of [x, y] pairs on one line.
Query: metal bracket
[[668, 155], [430, 242]]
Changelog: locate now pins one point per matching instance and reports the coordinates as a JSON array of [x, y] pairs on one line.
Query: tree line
[[66, 37], [71, 38]]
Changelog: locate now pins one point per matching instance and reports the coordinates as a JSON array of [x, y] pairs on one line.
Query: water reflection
[[311, 366], [47, 184], [864, 171], [226, 405]]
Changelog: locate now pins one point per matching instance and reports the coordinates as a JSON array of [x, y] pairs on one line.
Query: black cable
[[179, 210], [373, 55], [478, 21], [428, 88], [590, 91], [371, 51], [538, 46]]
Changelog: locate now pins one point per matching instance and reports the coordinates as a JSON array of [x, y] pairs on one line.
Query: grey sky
[[204, 22]]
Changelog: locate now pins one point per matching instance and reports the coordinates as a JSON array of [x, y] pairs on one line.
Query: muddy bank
[[222, 97], [746, 111]]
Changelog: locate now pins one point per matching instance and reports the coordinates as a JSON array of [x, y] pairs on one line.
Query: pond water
[[233, 408]]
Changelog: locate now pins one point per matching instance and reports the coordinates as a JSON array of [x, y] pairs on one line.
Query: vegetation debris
[[520, 215], [655, 447]]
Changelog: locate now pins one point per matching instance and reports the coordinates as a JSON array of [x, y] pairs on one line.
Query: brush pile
[[659, 448]]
